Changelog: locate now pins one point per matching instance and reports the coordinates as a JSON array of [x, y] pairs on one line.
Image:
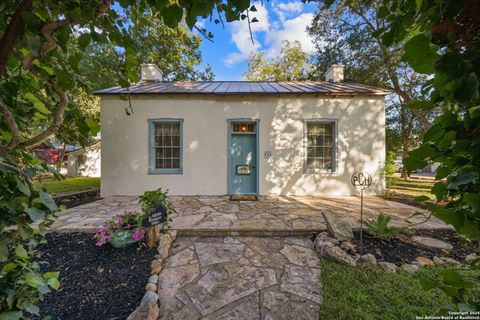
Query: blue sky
[[278, 21]]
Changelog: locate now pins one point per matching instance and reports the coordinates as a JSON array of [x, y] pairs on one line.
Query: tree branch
[[12, 33], [56, 121], [49, 28]]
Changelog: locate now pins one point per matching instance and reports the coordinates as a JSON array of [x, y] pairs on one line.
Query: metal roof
[[246, 87]]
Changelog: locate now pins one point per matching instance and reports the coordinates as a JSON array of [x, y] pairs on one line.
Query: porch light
[[243, 128]]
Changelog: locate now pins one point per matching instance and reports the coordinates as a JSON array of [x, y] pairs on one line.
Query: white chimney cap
[[335, 73], [151, 73]]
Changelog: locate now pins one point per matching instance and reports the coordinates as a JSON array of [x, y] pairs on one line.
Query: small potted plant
[[125, 228]]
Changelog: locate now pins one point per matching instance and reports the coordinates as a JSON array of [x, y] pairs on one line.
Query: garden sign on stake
[[361, 180], [155, 218]]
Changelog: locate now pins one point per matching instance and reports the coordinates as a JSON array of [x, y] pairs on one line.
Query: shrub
[[380, 228]]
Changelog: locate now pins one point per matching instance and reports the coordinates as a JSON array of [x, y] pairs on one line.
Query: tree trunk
[[153, 236], [405, 139]]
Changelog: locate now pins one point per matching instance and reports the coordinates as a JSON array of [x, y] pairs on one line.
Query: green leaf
[[40, 106], [463, 179], [48, 201], [447, 139], [34, 281], [452, 278], [253, 9], [48, 275], [473, 200], [40, 116], [254, 20], [21, 252], [53, 283], [94, 126], [9, 267], [421, 199], [468, 88], [172, 15], [84, 40], [35, 213], [434, 133], [442, 172], [421, 54], [65, 80], [439, 189], [23, 188], [11, 315]]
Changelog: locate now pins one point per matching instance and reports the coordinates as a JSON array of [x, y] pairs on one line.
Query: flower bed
[[96, 283]]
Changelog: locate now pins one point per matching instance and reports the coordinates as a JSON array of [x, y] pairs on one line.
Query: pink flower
[[99, 244], [138, 235], [119, 214]]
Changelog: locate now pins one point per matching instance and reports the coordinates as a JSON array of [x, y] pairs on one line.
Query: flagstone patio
[[242, 278], [270, 216]]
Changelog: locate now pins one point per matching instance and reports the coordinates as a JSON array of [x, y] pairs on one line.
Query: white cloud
[[290, 6], [290, 24], [286, 9], [291, 30], [241, 35]]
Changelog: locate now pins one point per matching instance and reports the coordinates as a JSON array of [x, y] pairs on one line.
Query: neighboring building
[[75, 160], [235, 137], [84, 162]]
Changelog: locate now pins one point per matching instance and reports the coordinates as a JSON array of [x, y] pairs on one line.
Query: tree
[[292, 64], [343, 32], [176, 51], [41, 45], [441, 39]]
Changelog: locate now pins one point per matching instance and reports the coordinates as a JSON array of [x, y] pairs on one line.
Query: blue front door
[[243, 158]]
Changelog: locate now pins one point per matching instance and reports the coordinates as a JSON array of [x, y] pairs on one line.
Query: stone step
[[248, 232]]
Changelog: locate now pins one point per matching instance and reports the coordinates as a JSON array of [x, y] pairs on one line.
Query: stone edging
[[149, 308], [344, 252]]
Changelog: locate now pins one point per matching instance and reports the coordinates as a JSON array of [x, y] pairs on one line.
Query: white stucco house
[[237, 137]]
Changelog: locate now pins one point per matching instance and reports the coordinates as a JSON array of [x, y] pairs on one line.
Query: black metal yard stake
[[361, 180], [361, 223]]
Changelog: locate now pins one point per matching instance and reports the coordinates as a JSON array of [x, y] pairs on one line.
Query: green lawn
[[68, 184], [410, 187], [372, 293]]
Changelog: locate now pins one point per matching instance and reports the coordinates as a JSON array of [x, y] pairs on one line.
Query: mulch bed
[[96, 283], [78, 198], [401, 250]]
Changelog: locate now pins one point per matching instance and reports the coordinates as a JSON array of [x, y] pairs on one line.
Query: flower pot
[[121, 239]]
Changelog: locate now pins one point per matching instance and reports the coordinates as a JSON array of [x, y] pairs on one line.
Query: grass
[[69, 184], [410, 187], [370, 293]]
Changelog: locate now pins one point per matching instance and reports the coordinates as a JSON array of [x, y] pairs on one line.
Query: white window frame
[[334, 145]]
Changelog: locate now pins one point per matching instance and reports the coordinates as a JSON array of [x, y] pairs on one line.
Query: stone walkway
[[270, 216], [248, 278], [217, 215]]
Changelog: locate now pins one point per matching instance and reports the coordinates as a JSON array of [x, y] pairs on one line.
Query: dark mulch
[[96, 283], [78, 198], [401, 250]]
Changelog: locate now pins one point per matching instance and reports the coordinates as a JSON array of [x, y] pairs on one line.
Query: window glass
[[320, 146], [167, 145], [243, 127]]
